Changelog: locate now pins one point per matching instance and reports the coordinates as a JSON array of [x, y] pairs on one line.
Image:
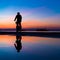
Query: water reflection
[[18, 44], [30, 48]]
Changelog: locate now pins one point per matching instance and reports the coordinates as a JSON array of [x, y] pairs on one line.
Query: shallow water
[[32, 48]]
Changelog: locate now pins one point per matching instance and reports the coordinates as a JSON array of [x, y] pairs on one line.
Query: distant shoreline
[[40, 34]]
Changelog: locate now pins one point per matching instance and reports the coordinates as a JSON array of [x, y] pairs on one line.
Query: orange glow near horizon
[[30, 24], [8, 22], [31, 18]]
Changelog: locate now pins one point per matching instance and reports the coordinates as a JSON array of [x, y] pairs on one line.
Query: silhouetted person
[[18, 44], [18, 20]]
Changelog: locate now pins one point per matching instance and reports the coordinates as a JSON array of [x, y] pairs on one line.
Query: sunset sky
[[35, 13]]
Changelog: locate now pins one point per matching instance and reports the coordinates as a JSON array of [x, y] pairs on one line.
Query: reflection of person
[[18, 44], [18, 20]]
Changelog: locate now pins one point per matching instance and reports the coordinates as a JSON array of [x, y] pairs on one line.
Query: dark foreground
[[42, 34]]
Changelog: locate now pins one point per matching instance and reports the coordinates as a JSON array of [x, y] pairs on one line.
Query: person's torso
[[18, 18]]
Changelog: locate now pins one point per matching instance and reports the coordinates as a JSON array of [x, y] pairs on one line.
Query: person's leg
[[19, 26]]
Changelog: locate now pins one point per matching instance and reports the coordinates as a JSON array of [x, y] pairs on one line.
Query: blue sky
[[40, 10], [51, 4]]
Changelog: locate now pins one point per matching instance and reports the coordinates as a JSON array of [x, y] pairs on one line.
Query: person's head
[[18, 13]]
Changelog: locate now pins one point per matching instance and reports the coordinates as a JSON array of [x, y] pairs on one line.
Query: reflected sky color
[[9, 40], [35, 13], [32, 48]]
